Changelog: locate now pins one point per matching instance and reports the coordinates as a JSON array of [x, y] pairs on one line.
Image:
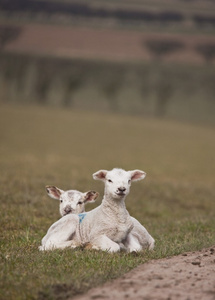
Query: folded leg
[[102, 242], [60, 235]]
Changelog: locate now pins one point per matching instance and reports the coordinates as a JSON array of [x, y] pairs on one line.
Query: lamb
[[109, 225], [71, 202], [138, 238]]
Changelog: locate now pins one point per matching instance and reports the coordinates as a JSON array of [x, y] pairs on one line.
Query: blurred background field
[[149, 58], [147, 89], [88, 86]]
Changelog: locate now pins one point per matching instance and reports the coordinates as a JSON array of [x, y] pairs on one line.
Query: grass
[[43, 145]]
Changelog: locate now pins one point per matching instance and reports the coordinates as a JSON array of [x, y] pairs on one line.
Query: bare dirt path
[[187, 276]]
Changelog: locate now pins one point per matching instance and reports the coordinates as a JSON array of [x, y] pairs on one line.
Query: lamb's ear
[[137, 175], [100, 175], [54, 192], [90, 196]]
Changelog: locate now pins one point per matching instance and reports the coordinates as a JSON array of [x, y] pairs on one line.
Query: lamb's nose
[[121, 189], [67, 209]]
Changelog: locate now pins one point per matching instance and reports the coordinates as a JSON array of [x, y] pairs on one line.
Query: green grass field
[[44, 145]]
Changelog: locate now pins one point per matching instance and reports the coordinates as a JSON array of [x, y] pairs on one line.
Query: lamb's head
[[71, 201], [118, 181]]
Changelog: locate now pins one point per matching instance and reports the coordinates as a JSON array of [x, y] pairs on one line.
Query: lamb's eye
[[61, 201], [79, 202], [129, 181], [110, 180]]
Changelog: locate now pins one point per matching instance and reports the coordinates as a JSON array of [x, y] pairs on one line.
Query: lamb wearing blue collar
[[72, 202]]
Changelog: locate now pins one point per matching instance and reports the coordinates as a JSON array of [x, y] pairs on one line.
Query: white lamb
[[109, 225], [71, 202], [138, 238]]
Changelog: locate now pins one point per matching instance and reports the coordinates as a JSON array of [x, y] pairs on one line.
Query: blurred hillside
[[145, 57]]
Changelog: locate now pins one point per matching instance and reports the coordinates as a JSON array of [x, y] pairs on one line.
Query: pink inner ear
[[55, 192], [91, 196], [101, 175], [137, 175]]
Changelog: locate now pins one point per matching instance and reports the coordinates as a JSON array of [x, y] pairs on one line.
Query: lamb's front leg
[[60, 234], [102, 242], [59, 245], [131, 243]]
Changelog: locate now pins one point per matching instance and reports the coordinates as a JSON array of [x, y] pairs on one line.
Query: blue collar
[[81, 217]]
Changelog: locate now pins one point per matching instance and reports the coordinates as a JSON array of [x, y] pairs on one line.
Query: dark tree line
[[160, 48], [204, 20], [88, 11], [56, 81], [8, 33], [207, 51]]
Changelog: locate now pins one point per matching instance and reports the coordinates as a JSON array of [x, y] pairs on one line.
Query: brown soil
[[111, 44], [187, 276]]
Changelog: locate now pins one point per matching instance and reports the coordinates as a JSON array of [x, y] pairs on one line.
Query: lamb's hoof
[[95, 247], [134, 253], [122, 247], [73, 245], [88, 246], [152, 245]]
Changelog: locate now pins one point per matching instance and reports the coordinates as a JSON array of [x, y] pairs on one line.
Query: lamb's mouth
[[120, 193], [67, 212]]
